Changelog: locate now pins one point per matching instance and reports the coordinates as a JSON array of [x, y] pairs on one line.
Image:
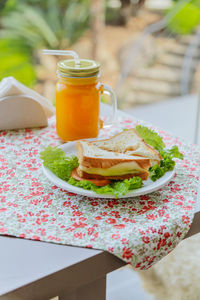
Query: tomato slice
[[97, 182]]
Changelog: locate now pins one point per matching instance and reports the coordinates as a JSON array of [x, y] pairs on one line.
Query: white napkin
[[21, 107]]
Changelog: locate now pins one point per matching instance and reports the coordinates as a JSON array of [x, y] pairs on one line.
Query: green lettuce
[[122, 187], [117, 188], [167, 163], [55, 160], [151, 137], [173, 152]]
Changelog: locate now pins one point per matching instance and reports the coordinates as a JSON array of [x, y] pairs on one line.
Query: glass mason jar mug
[[78, 94]]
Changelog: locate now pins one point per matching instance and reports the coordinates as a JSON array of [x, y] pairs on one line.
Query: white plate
[[148, 186]]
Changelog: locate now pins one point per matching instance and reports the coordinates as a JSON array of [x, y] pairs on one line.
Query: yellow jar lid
[[78, 68]]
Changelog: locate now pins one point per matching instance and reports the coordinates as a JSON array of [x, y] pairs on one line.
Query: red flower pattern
[[146, 239], [127, 253], [30, 207]]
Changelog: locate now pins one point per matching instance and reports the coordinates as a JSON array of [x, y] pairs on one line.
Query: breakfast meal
[[130, 160], [116, 165]]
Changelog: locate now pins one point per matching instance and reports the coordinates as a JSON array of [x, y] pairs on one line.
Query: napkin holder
[[21, 111]]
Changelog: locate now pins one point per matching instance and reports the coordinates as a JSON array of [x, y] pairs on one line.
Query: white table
[[177, 116], [32, 270]]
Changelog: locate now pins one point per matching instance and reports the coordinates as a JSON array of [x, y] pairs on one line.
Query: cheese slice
[[116, 170]]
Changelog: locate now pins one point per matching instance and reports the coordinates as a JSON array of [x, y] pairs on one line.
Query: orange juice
[[78, 99], [77, 108]]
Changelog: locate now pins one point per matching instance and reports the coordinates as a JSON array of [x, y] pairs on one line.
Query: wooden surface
[[36, 270]]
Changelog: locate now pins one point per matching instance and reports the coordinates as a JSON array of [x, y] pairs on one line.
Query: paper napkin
[[21, 107]]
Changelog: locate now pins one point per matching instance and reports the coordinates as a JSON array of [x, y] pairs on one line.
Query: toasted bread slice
[[92, 156], [99, 163], [130, 143]]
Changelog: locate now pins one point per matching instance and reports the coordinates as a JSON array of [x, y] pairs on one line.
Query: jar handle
[[106, 89]]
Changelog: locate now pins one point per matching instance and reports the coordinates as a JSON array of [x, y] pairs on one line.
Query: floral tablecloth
[[138, 230]]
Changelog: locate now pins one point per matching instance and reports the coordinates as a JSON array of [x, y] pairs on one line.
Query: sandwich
[[118, 164], [120, 157], [99, 164], [130, 143]]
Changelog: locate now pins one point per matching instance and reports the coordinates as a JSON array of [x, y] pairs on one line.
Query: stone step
[[166, 44], [170, 60], [179, 49], [176, 49], [159, 79], [159, 74], [151, 86], [173, 61]]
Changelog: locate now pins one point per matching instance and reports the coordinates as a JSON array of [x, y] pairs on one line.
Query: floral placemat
[[138, 230]]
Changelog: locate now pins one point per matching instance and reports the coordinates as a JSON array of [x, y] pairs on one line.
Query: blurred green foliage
[[16, 61], [184, 16], [30, 25]]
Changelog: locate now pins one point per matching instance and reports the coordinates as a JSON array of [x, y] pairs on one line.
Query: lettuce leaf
[[55, 159], [173, 152], [156, 172], [167, 163], [150, 137], [116, 188], [122, 187], [85, 184]]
